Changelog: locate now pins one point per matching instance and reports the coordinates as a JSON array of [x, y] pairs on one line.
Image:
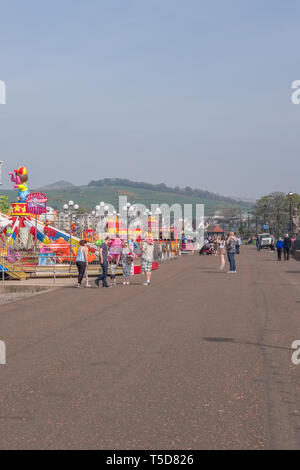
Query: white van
[[266, 240]]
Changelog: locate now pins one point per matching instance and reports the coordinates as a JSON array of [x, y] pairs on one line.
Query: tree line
[[275, 210], [271, 213], [161, 187]]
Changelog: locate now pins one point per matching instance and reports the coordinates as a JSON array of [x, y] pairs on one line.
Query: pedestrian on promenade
[[287, 247], [231, 247], [222, 251], [258, 244], [280, 247], [113, 271], [147, 259], [81, 261], [237, 247], [103, 253], [126, 260]]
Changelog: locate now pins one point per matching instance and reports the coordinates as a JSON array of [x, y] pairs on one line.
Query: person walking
[[103, 252], [81, 261], [147, 259], [280, 247], [237, 246], [258, 243], [126, 260], [287, 247], [231, 243]]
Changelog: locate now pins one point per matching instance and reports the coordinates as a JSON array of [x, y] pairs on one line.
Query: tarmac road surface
[[199, 360]]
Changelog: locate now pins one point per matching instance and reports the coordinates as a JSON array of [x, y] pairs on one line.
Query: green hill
[[109, 191]]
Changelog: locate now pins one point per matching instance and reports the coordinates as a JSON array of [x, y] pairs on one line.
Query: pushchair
[[207, 249]]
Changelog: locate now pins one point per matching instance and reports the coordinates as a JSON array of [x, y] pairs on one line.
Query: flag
[[15, 230]]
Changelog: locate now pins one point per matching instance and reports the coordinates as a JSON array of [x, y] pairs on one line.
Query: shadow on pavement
[[233, 340], [219, 271]]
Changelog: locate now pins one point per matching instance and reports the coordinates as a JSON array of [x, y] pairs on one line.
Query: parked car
[[267, 240]]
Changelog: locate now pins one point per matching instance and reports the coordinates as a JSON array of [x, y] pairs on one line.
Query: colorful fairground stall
[[31, 246]]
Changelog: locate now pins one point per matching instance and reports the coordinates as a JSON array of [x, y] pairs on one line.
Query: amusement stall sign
[[36, 203]]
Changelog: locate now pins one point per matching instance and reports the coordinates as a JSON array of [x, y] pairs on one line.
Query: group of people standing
[[230, 246], [223, 246], [125, 258]]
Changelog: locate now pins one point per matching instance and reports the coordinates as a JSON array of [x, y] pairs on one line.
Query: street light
[[248, 225], [98, 208], [159, 213], [102, 209], [93, 224], [70, 209], [290, 195], [126, 209], [146, 213]]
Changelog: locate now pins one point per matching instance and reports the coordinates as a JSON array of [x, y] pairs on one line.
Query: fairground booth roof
[[215, 229]]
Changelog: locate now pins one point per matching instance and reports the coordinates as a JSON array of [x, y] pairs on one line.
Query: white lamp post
[[70, 209]]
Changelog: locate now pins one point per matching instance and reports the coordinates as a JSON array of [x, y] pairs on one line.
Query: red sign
[[36, 203]]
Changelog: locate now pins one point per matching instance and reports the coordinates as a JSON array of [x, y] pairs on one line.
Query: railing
[[19, 264]]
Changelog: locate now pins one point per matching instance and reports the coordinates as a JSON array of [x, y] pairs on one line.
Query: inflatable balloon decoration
[[20, 178]]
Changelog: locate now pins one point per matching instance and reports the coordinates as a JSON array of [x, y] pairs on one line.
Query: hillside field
[[88, 197]]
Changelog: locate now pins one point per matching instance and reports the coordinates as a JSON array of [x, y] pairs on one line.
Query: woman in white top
[[222, 251], [81, 261]]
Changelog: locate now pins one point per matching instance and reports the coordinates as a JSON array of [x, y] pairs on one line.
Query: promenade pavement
[[201, 359]]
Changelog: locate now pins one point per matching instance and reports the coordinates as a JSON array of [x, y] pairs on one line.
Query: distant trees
[[231, 217], [4, 205], [82, 210], [161, 187], [274, 210]]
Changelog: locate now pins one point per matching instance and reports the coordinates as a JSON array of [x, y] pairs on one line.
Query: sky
[[188, 93]]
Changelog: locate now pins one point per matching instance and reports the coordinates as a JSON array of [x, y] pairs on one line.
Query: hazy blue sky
[[187, 92]]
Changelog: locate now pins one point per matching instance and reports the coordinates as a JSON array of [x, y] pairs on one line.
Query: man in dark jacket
[[103, 252], [287, 247], [231, 243]]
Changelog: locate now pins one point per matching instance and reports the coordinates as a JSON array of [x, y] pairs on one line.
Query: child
[[279, 246], [86, 279], [113, 271], [127, 259]]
